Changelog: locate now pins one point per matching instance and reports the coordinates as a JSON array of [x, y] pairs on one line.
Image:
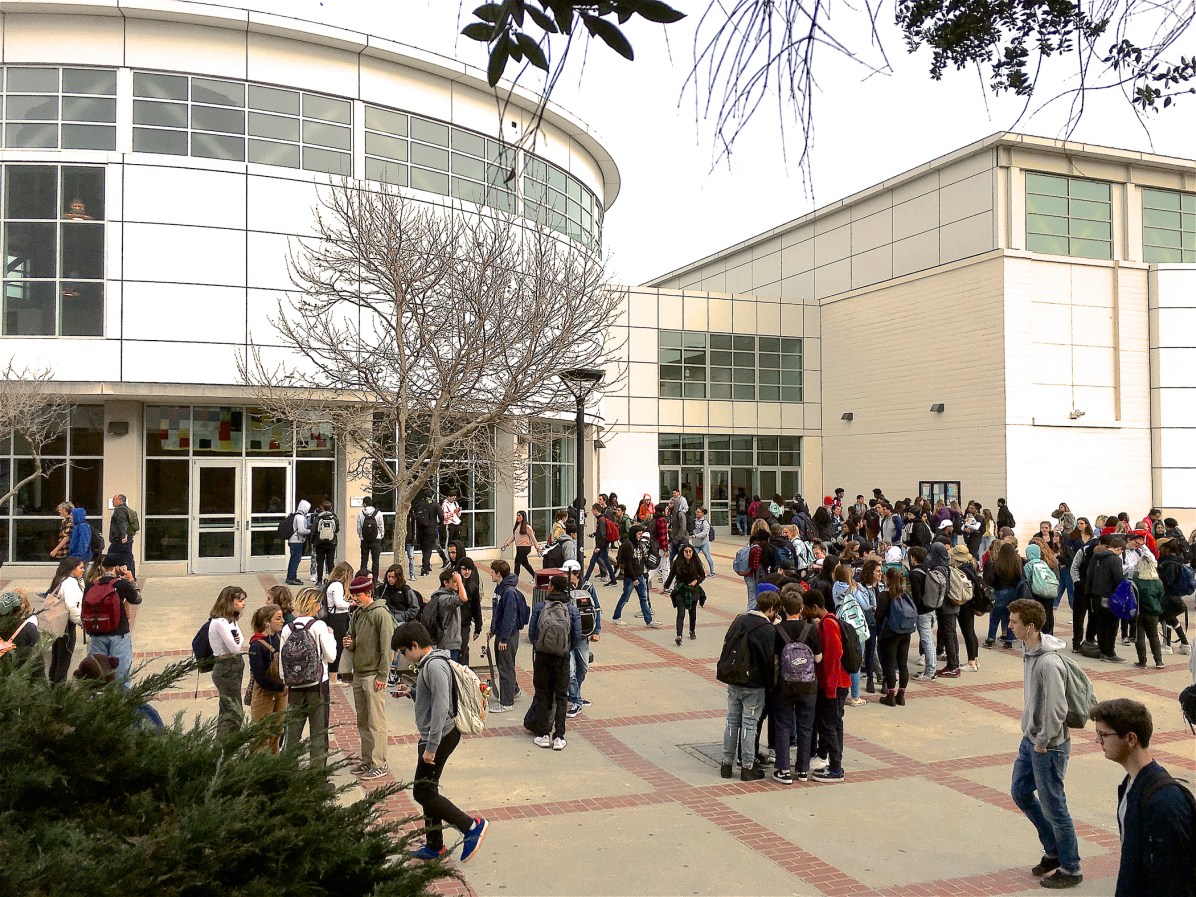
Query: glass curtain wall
[[552, 477]]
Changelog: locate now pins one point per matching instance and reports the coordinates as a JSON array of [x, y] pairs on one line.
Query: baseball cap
[[945, 524], [570, 566]]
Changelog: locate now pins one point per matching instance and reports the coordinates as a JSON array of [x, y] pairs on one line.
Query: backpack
[[851, 613], [782, 557], [742, 558], [299, 660], [903, 615], [774, 509], [53, 616], [1043, 581], [555, 556], [101, 608], [553, 629], [1186, 584], [431, 618], [97, 541], [936, 588], [612, 530], [735, 662], [802, 555], [201, 648], [286, 527], [959, 590], [469, 702], [525, 612], [369, 526], [584, 602], [1081, 697], [1123, 603], [326, 528], [797, 672], [652, 558], [134, 522], [984, 598], [853, 655]]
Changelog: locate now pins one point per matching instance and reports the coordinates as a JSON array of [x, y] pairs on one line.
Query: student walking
[[687, 594], [524, 538]]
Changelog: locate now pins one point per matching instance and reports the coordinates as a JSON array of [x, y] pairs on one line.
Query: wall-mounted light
[[938, 408], [118, 428], [1076, 414], [848, 415]]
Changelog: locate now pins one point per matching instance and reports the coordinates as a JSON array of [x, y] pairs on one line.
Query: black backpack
[[853, 655], [430, 616], [97, 540], [555, 556], [735, 662], [201, 648], [286, 526], [369, 526]]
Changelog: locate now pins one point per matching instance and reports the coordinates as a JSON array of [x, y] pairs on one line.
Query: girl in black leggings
[[524, 538], [688, 573], [894, 647]]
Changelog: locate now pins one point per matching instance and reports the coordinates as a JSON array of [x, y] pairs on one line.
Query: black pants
[[61, 653], [550, 674], [437, 808], [522, 553], [1048, 605], [1106, 628], [949, 636], [693, 617], [828, 713], [1171, 621], [894, 658], [1148, 629], [371, 553], [453, 531], [967, 625], [325, 554], [339, 624], [786, 713], [1081, 610]]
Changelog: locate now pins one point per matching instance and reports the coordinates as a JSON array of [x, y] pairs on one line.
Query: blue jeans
[[410, 561], [601, 559], [1000, 613], [705, 549], [1066, 585], [751, 593], [744, 706], [118, 646], [579, 665], [741, 524], [925, 643], [296, 549], [640, 584], [1043, 773]]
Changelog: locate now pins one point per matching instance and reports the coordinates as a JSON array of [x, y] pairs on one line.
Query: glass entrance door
[[216, 511], [267, 502]]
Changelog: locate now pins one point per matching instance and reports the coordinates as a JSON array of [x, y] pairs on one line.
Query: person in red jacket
[[833, 686]]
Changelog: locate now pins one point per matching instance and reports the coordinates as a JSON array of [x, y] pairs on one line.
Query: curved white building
[[158, 159]]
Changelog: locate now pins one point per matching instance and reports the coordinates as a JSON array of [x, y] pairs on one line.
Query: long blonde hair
[[307, 602], [1146, 568], [342, 573]]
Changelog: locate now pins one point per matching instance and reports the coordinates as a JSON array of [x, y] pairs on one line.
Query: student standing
[[68, 584], [504, 632], [369, 637], [308, 702], [833, 685], [269, 692], [793, 701], [438, 738], [555, 632], [226, 642]]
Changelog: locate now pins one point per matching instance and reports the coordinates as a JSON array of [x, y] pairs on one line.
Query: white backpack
[[469, 701]]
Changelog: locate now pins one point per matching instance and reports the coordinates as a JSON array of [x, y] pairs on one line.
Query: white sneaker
[[817, 764], [544, 741], [655, 624], [1184, 649], [500, 708], [558, 744], [619, 622], [1166, 649]]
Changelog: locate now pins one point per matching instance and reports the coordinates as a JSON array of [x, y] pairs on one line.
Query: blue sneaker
[[427, 853], [473, 838]]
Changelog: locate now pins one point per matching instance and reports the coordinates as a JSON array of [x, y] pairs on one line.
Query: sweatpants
[[438, 809], [504, 664]]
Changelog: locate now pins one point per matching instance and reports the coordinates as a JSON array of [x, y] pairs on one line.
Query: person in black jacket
[[1004, 515], [633, 555], [1171, 568], [269, 692], [688, 572], [1156, 817], [1103, 576], [745, 698]]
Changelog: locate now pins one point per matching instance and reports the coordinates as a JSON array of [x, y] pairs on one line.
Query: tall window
[[53, 250], [682, 359], [1068, 216], [1168, 226], [732, 366], [737, 367], [29, 521], [52, 108], [780, 369], [552, 477], [559, 200]]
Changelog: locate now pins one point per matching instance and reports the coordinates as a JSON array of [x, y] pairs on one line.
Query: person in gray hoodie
[[296, 542], [1041, 763], [438, 738]]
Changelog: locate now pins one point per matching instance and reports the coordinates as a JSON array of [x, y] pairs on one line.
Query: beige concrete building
[[1016, 319]]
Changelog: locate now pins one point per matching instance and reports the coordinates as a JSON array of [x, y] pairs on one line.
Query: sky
[[678, 201]]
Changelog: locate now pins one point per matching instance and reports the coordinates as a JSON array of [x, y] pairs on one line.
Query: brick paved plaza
[[635, 804]]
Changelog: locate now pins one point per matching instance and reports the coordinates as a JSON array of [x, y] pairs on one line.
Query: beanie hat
[[10, 603], [360, 585], [765, 587]]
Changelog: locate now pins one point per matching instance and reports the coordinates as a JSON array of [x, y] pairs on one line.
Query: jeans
[[504, 662], [600, 559], [1000, 614], [120, 647], [640, 584], [786, 712], [1043, 773], [437, 808], [410, 561], [829, 719], [226, 676], [309, 705], [1066, 585], [751, 592], [926, 642], [579, 665], [371, 554], [550, 673], [296, 549], [705, 549], [741, 524], [743, 715]]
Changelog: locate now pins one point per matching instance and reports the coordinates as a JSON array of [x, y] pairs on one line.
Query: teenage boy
[[555, 631], [1045, 747], [833, 686], [438, 738], [793, 702], [1101, 579], [601, 556], [371, 527], [370, 631], [1156, 818], [746, 679], [504, 632], [579, 657], [633, 557]]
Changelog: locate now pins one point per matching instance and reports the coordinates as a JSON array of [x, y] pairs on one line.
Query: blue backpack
[[1186, 581], [1123, 603], [903, 615], [742, 557]]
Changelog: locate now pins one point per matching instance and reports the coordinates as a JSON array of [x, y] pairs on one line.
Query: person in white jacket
[[309, 703], [67, 585], [298, 538]]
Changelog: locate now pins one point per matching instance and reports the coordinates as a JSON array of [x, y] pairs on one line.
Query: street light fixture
[[581, 382]]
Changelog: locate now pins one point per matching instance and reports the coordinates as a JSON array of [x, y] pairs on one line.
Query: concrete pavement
[[635, 804]]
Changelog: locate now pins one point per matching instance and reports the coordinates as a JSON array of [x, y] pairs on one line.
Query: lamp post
[[581, 382]]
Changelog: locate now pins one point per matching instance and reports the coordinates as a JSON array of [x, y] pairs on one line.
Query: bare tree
[[35, 414], [419, 333]]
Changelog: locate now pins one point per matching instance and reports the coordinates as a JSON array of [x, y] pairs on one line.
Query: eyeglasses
[[1101, 736]]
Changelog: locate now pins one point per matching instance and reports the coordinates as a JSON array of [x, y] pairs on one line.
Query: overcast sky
[[677, 204]]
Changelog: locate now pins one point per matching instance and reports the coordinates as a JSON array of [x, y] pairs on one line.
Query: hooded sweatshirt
[[80, 544], [938, 556], [504, 621], [302, 528], [433, 699], [1044, 686]]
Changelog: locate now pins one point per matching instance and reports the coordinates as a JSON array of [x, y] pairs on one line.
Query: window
[[53, 108], [552, 477], [216, 119], [560, 201], [29, 521], [53, 233], [740, 367], [1168, 226], [939, 490], [1068, 216]]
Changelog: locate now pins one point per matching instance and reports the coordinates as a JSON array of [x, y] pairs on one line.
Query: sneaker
[[473, 838], [294, 582], [677, 640], [638, 615], [612, 584], [803, 777], [1127, 641], [375, 772], [619, 622], [427, 853], [558, 744], [828, 776], [1166, 649], [655, 624], [572, 710], [923, 677], [1045, 865], [585, 703], [358, 768], [544, 741], [518, 692], [1158, 665], [784, 776], [820, 764], [766, 758], [726, 770], [1111, 658], [751, 774], [1061, 880], [948, 674], [989, 642], [693, 636], [1140, 664], [1183, 649], [500, 708], [973, 666], [856, 702]]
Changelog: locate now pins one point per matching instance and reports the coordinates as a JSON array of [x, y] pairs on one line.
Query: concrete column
[[124, 462]]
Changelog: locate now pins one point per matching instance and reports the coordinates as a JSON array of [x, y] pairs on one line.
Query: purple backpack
[[797, 674]]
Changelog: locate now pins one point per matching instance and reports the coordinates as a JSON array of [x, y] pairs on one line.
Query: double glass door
[[236, 509]]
